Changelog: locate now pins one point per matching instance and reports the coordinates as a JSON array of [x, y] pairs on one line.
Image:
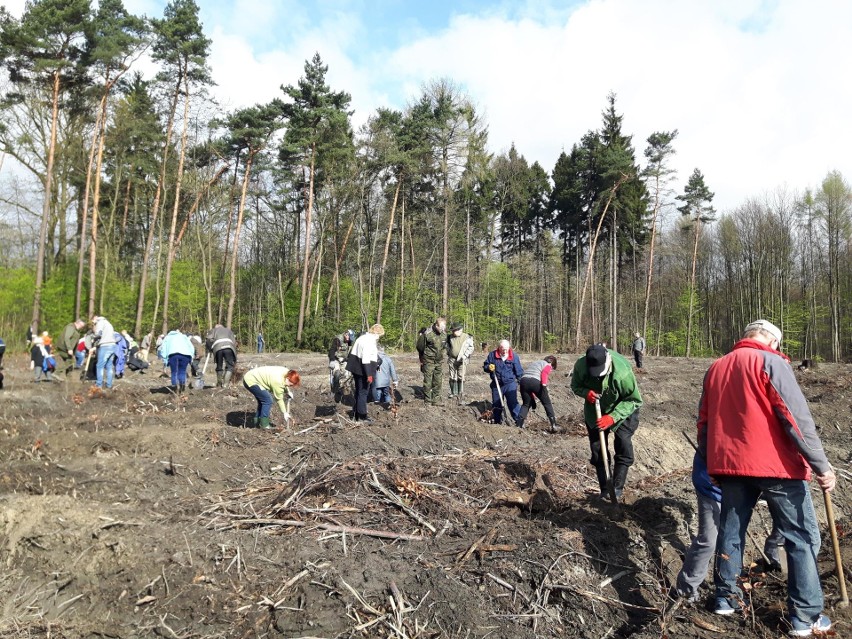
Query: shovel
[[832, 529], [198, 382], [510, 418], [84, 375], [605, 456]]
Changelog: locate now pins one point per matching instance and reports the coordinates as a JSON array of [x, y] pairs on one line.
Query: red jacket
[[754, 421]]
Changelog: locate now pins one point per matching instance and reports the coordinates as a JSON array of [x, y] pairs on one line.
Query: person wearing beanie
[[604, 376], [759, 440]]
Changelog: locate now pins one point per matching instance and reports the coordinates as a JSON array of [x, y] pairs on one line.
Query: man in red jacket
[[757, 434]]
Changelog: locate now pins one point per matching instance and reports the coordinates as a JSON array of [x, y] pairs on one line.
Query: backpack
[[48, 364]]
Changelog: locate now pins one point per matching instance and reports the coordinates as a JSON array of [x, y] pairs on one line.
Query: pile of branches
[[404, 498]]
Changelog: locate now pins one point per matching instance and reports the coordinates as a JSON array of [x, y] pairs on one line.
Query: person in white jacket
[[362, 363]]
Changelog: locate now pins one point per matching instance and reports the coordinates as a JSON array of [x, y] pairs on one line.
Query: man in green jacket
[[68, 343], [431, 346], [605, 376]]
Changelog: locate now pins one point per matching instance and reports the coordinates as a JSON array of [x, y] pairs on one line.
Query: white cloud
[[755, 107], [755, 87]]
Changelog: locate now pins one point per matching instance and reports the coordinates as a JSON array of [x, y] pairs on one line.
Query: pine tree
[[318, 126], [45, 48], [696, 200]]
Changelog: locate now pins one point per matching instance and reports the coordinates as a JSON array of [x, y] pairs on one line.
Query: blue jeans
[[793, 515], [264, 400], [106, 357], [177, 365], [79, 358], [382, 395]]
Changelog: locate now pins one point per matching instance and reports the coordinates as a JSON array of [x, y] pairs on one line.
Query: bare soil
[[139, 514]]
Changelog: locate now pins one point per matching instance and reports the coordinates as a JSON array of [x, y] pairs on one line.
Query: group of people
[[756, 437]]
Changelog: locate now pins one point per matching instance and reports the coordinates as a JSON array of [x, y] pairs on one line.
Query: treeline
[[140, 199]]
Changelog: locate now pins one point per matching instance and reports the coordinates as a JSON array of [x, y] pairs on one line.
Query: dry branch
[[351, 530], [397, 501]]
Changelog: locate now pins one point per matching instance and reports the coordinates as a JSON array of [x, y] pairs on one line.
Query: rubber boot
[[519, 422], [227, 379], [619, 478], [220, 376], [263, 423], [553, 427], [453, 389], [181, 389]]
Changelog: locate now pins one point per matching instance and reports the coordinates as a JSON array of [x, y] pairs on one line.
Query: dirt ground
[[141, 514]]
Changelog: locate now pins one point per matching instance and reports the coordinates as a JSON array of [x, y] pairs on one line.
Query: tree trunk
[[651, 259], [692, 286], [48, 185], [96, 199], [305, 265], [170, 256], [592, 248], [82, 245], [155, 208], [233, 288], [387, 249]]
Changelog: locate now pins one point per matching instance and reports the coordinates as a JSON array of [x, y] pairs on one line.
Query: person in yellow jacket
[[268, 384]]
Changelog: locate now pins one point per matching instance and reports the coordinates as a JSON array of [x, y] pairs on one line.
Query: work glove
[[605, 422], [369, 379], [592, 397], [492, 368]]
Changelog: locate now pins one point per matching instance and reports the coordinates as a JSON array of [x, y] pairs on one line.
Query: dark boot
[[452, 389], [220, 377], [519, 422], [263, 423], [619, 478], [181, 389], [553, 427], [227, 379]]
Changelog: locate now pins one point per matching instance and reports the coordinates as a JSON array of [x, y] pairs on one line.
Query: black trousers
[[529, 387], [226, 360], [623, 458], [637, 355], [362, 386]]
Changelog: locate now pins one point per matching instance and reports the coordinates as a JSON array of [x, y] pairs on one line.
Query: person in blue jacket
[[504, 366], [386, 379]]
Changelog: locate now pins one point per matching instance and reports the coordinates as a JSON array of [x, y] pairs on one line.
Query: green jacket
[[432, 345], [619, 393], [70, 337]]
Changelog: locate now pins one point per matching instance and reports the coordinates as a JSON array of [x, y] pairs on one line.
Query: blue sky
[[758, 89]]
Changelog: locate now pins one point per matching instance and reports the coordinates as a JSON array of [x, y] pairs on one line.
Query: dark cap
[[596, 360], [457, 326]]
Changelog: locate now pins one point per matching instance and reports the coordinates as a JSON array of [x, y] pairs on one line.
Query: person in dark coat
[[505, 369]]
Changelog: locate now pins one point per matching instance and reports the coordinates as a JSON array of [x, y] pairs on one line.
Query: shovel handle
[[605, 456], [835, 543]]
